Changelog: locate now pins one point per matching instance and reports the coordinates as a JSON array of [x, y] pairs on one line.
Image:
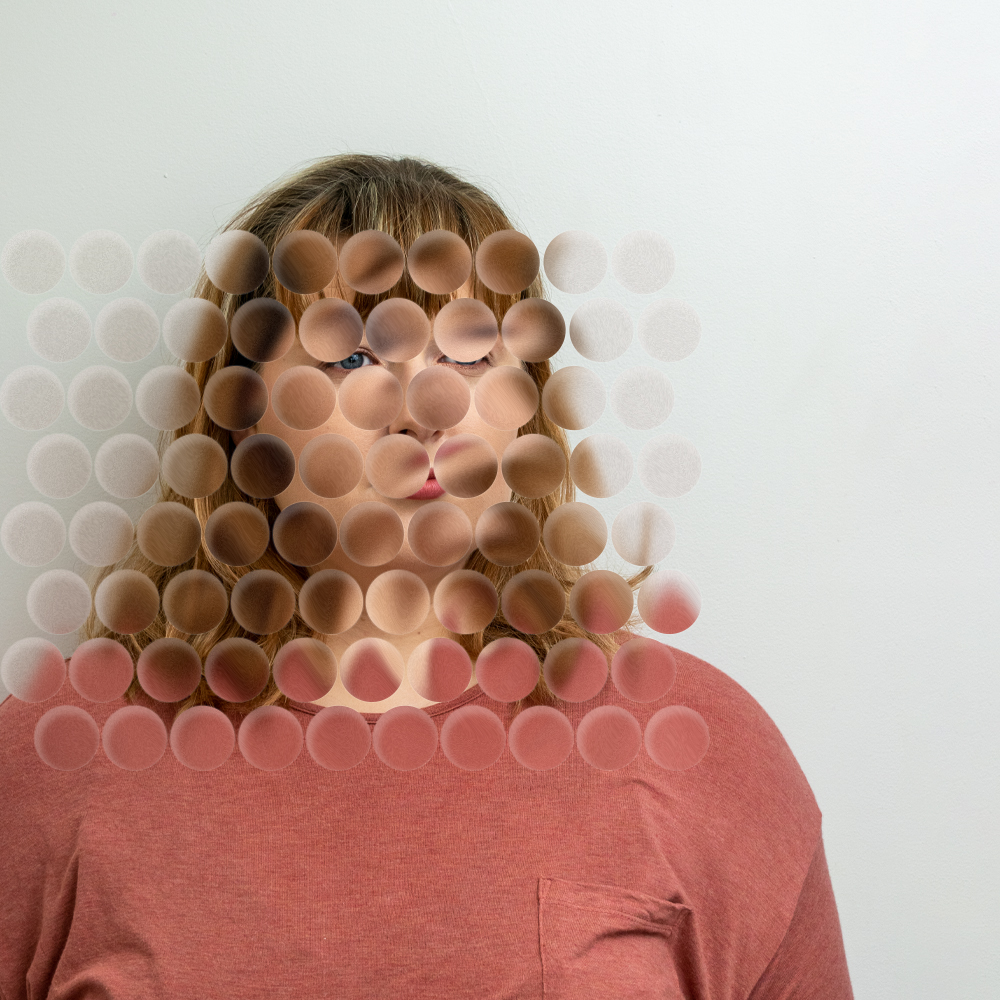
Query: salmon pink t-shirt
[[706, 884]]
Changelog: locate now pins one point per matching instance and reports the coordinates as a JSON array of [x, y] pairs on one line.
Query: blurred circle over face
[[304, 669], [194, 329], [465, 601], [330, 465], [506, 397], [370, 397], [235, 397], [304, 533], [236, 669], [533, 465], [397, 329], [303, 398], [507, 262], [371, 262], [439, 262], [533, 329], [397, 601], [465, 465], [168, 669], [575, 533], [533, 601], [195, 601], [507, 533], [263, 329], [372, 669], [466, 329], [262, 466], [330, 601], [371, 533], [439, 533], [237, 261], [304, 261], [438, 397], [331, 329], [237, 533], [575, 261], [397, 465]]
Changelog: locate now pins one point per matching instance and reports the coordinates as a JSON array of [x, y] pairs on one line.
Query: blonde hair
[[338, 196]]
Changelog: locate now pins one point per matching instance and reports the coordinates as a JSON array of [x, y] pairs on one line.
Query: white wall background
[[827, 176]]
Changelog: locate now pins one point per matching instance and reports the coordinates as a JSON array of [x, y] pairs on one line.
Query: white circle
[[33, 261], [59, 466], [642, 397], [99, 397], [168, 261], [575, 261], [642, 261], [100, 261], [167, 397], [32, 397], [101, 533], [601, 329], [127, 329], [669, 330], [59, 329], [126, 465], [643, 533], [184, 328], [21, 663], [33, 533], [58, 601], [574, 397], [669, 465], [601, 465]]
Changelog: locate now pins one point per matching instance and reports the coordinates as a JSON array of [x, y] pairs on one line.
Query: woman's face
[[403, 423]]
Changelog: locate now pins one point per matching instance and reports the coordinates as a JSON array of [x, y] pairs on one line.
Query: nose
[[404, 422]]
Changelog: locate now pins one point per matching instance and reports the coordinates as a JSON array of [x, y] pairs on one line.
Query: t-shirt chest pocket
[[602, 942]]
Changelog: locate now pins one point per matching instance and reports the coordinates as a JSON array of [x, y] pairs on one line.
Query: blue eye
[[356, 360]]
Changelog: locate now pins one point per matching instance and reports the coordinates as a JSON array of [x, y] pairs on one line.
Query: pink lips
[[429, 491]]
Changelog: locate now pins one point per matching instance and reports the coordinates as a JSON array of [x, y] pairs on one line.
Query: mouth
[[429, 491]]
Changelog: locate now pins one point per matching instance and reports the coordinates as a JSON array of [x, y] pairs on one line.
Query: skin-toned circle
[[330, 329], [575, 261], [67, 737], [331, 601], [397, 329], [58, 601], [194, 329], [168, 533], [330, 465], [574, 397], [194, 466], [643, 533], [439, 669], [465, 601], [33, 261], [370, 397], [642, 261], [237, 261], [601, 465], [507, 533], [303, 398], [465, 465], [643, 669], [371, 262], [372, 669], [236, 669], [126, 465], [669, 601], [235, 397], [533, 465], [167, 397], [304, 261], [262, 466], [371, 533], [575, 533], [33, 669], [127, 601], [263, 601], [304, 533], [440, 533], [507, 262], [669, 465], [304, 669], [168, 261], [195, 601], [60, 329], [438, 397], [397, 601], [262, 329], [397, 465], [168, 669], [533, 601], [575, 669], [237, 533], [439, 262], [533, 329], [601, 601], [669, 330], [506, 397], [466, 329]]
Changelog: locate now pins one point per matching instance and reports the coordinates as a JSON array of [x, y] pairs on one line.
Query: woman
[[309, 881]]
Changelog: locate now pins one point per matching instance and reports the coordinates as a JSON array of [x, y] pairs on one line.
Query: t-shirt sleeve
[[810, 963]]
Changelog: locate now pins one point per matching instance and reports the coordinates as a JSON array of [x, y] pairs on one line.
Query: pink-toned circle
[[371, 533], [609, 737], [330, 465], [397, 329], [338, 738], [371, 262], [67, 737], [236, 669], [507, 669], [134, 738], [507, 262], [465, 465], [372, 669], [397, 465], [331, 329], [370, 397], [533, 329], [533, 601], [101, 669], [439, 533], [466, 329], [33, 669], [303, 398], [438, 397], [439, 262], [169, 669], [397, 601], [473, 737], [669, 601], [677, 737], [304, 669], [540, 738], [601, 601], [506, 397], [575, 669], [202, 738], [405, 738], [439, 669], [270, 738], [465, 601], [331, 601], [533, 465], [643, 669]]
